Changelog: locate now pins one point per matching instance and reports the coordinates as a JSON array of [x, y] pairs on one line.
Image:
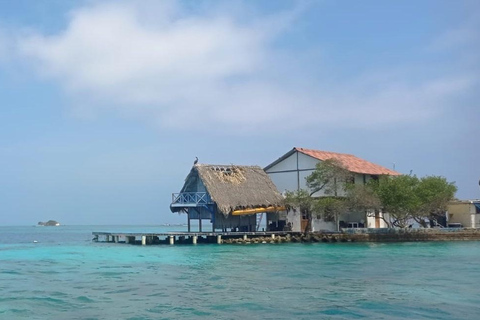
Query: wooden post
[[188, 217], [144, 240], [219, 239], [172, 239], [245, 237], [200, 224], [273, 236], [194, 240]]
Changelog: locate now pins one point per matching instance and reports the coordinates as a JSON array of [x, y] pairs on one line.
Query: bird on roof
[[196, 161]]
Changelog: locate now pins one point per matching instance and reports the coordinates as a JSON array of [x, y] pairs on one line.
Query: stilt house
[[230, 197]]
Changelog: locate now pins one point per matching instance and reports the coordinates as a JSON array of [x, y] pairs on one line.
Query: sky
[[104, 105]]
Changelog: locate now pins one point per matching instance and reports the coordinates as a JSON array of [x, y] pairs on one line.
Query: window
[[350, 180], [477, 208]]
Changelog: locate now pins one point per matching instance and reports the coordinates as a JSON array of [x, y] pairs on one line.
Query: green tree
[[330, 208], [408, 198], [404, 198], [329, 176], [303, 201], [363, 198], [398, 198], [434, 193]]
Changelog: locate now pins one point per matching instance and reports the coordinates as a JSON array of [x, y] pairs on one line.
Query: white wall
[[322, 225], [371, 220], [290, 173], [464, 213], [306, 162], [284, 181], [289, 163], [294, 218]]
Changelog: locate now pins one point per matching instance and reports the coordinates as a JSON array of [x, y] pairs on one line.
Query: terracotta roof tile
[[351, 162]]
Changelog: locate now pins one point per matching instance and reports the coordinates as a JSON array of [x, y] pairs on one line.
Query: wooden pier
[[184, 237]]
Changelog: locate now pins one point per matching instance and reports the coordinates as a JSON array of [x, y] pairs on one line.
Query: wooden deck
[[179, 237]]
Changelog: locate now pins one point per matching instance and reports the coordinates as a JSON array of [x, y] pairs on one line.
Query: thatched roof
[[234, 187]]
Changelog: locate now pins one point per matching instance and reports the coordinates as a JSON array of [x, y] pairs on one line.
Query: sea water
[[64, 275]]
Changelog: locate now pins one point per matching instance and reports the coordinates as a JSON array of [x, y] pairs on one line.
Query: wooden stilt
[[194, 240], [144, 240]]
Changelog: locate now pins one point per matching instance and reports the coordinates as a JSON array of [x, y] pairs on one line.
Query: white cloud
[[6, 46], [166, 64], [465, 35]]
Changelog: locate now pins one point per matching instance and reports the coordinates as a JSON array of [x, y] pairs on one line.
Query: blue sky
[[105, 104]]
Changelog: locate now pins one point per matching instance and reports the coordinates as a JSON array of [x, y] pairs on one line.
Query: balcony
[[190, 199]]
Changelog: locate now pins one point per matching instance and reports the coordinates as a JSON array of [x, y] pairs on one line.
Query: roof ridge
[[225, 165], [307, 149]]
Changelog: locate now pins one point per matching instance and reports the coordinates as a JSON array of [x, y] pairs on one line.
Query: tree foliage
[[362, 198], [404, 198], [330, 176], [300, 199], [303, 201], [330, 208], [408, 198], [398, 197], [434, 193]]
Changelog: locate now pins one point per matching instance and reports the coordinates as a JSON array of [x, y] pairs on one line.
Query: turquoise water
[[67, 276]]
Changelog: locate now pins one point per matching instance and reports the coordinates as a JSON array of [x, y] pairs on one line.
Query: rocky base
[[385, 235]]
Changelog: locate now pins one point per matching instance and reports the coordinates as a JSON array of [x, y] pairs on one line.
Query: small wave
[[85, 299], [10, 272], [16, 311]]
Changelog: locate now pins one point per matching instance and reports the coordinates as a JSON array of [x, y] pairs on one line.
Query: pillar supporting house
[[197, 205]]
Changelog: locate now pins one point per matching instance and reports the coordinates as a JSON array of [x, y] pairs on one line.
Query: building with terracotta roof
[[289, 171]]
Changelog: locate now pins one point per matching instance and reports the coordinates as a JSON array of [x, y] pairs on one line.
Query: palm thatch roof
[[235, 187]]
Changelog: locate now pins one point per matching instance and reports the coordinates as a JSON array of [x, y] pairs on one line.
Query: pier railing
[[190, 199]]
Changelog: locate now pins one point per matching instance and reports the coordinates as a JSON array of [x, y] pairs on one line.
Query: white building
[[288, 173], [464, 213]]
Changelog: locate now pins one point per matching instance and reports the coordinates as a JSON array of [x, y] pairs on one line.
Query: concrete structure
[[349, 235], [464, 213], [289, 173], [169, 238]]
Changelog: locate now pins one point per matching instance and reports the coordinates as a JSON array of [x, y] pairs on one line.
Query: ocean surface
[[67, 276]]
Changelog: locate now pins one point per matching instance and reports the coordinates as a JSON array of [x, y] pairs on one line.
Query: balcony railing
[[190, 199]]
